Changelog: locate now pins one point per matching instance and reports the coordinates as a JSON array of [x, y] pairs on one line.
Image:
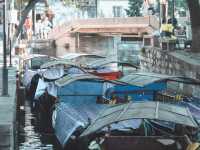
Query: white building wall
[[105, 7]]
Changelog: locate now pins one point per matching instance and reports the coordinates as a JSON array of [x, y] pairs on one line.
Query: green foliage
[[143, 50], [178, 4], [134, 8], [68, 2]]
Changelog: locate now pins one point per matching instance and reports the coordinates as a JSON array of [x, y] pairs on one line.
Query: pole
[[173, 15], [20, 17], [96, 1], [10, 44], [159, 9], [173, 11], [33, 20], [5, 70]]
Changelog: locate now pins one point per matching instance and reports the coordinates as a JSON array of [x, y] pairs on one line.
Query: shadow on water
[[30, 136]]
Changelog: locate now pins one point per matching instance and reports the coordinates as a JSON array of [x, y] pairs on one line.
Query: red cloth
[[28, 23]]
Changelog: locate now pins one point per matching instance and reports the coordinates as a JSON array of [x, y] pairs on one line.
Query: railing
[[147, 20], [108, 21]]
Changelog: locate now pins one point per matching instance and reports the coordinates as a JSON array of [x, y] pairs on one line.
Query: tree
[[178, 4], [194, 8], [134, 8], [25, 12]]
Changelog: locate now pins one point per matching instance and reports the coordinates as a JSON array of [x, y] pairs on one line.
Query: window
[[117, 11], [147, 42], [130, 39]]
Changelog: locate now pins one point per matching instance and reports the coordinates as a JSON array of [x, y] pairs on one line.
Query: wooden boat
[[103, 134], [78, 97], [107, 68], [156, 86], [30, 65], [83, 97]]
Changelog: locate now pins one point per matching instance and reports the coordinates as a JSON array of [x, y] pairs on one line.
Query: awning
[[56, 63], [74, 77], [53, 73], [71, 78], [70, 56], [143, 110], [36, 55], [145, 78], [107, 61]]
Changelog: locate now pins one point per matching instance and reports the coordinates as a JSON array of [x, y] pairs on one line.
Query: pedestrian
[[38, 29], [28, 27], [46, 28]]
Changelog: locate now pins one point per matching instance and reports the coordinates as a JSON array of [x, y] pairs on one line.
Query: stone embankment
[[8, 113], [177, 63]]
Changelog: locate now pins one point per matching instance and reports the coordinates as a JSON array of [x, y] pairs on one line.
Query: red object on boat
[[108, 75]]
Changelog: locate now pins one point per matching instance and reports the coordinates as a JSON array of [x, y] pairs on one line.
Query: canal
[[30, 135]]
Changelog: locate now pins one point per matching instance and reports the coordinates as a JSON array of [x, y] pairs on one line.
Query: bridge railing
[[147, 20]]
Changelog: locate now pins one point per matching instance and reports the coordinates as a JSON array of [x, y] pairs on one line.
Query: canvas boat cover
[[100, 62], [53, 73], [71, 78], [34, 56], [143, 110], [193, 107], [74, 77], [43, 86], [106, 61], [68, 118], [28, 75], [71, 56], [145, 78], [56, 63]]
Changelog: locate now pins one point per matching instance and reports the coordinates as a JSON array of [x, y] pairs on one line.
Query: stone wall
[[45, 47], [102, 45], [166, 62]]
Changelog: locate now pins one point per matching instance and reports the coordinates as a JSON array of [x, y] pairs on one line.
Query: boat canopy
[[53, 73], [35, 56], [71, 78], [106, 61], [71, 56], [56, 63], [142, 110], [145, 78], [100, 62]]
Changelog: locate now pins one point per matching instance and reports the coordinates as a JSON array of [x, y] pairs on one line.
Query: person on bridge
[[28, 27], [167, 29]]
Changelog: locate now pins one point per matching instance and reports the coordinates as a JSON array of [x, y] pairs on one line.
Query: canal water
[[30, 136]]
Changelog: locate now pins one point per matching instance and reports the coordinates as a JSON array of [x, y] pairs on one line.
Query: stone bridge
[[130, 26], [99, 35]]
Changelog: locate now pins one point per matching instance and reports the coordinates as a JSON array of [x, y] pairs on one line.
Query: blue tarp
[[70, 117], [78, 103]]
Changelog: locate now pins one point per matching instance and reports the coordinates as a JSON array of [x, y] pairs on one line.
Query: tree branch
[[25, 13]]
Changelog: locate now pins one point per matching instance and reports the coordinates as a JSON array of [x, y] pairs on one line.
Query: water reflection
[[30, 135]]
